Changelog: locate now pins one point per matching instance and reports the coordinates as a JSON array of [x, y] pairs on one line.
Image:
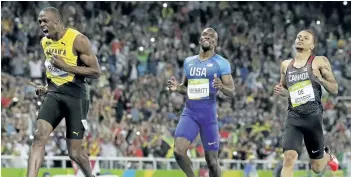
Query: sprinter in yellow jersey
[[69, 60]]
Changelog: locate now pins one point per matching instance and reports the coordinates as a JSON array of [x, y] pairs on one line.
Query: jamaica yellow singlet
[[59, 80]]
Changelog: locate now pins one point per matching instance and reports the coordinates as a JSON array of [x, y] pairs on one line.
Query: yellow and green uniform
[[59, 80]]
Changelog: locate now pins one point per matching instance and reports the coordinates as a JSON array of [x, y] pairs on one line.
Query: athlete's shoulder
[[321, 58], [223, 64], [221, 61], [190, 58], [74, 31], [321, 61], [286, 62], [219, 57], [284, 65]]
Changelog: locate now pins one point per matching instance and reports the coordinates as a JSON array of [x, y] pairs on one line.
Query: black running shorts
[[307, 127], [57, 106]]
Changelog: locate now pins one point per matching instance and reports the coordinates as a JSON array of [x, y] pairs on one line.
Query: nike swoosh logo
[[211, 143], [315, 151], [290, 72]]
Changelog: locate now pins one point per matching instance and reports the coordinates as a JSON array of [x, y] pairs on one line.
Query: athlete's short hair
[[53, 10]]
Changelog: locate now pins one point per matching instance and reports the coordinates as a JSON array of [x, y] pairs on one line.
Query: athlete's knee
[[42, 133], [290, 158], [39, 138], [179, 151], [317, 168], [212, 161], [74, 154], [181, 147]]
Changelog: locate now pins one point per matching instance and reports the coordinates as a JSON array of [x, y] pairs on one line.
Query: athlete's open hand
[[217, 83], [58, 62], [278, 89], [39, 89], [172, 84]]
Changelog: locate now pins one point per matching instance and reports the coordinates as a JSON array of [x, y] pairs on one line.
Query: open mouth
[[45, 31], [206, 42]]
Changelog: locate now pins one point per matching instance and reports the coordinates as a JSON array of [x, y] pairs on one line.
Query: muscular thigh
[[51, 110], [76, 111], [313, 135], [187, 127], [293, 136], [209, 131]]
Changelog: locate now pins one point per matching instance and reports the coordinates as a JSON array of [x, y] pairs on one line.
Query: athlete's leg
[[314, 140], [79, 156], [210, 139], [292, 143], [76, 111], [186, 131], [48, 118]]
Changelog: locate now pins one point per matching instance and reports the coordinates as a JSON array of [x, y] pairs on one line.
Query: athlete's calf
[[181, 147], [213, 163], [78, 155], [37, 151], [290, 157]]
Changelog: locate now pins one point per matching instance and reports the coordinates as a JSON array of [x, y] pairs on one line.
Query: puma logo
[[76, 133]]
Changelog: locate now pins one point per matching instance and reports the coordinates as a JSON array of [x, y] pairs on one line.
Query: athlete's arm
[[281, 88], [83, 47], [227, 87], [182, 88], [327, 78], [225, 83]]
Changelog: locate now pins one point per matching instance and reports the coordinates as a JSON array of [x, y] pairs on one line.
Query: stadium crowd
[[133, 114]]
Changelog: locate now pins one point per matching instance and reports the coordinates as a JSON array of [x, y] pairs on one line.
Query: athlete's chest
[[57, 47], [197, 69], [294, 75]]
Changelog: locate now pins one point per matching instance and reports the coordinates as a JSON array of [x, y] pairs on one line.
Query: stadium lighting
[[288, 21], [318, 22], [164, 5], [152, 39], [345, 3], [141, 48]]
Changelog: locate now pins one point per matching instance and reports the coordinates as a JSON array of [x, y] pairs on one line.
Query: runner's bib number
[[54, 71], [301, 93], [198, 89]]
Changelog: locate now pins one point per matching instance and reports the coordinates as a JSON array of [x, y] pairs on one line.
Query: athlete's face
[[48, 22], [208, 39], [304, 40]]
